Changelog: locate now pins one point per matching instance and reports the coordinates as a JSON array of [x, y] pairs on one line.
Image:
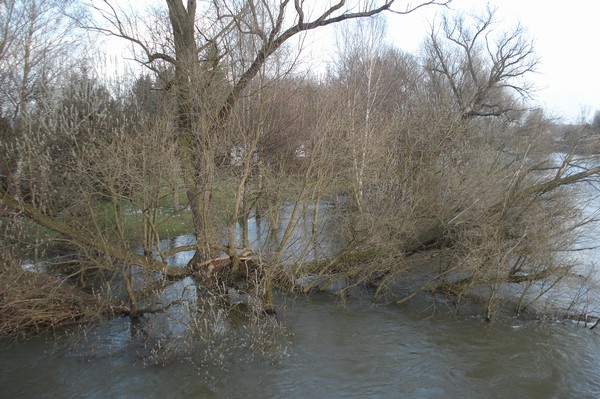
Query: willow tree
[[198, 50]]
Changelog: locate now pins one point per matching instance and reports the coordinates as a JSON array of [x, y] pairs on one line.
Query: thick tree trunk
[[194, 144]]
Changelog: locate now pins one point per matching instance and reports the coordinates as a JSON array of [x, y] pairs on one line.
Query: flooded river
[[354, 350], [320, 348]]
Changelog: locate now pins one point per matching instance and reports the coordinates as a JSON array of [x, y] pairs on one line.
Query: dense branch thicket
[[410, 174]]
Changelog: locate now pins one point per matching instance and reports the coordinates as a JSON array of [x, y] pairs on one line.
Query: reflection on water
[[264, 237], [357, 350]]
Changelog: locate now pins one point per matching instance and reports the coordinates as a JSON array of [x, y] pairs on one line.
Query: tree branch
[[275, 42], [100, 246]]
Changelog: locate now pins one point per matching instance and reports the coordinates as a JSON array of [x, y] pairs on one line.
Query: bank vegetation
[[407, 175]]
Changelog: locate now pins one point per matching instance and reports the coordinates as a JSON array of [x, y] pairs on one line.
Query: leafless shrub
[[32, 303]]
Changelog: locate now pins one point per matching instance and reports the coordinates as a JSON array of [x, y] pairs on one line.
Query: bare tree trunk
[[194, 146]]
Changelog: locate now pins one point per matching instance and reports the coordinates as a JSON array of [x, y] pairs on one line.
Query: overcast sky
[[566, 37]]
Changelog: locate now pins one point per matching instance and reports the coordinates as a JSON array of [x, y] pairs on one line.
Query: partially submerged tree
[[451, 194], [208, 63], [462, 201], [205, 98]]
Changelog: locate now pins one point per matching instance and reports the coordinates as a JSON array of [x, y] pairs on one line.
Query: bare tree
[[458, 202], [482, 68], [360, 71], [34, 35], [196, 56], [36, 47]]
